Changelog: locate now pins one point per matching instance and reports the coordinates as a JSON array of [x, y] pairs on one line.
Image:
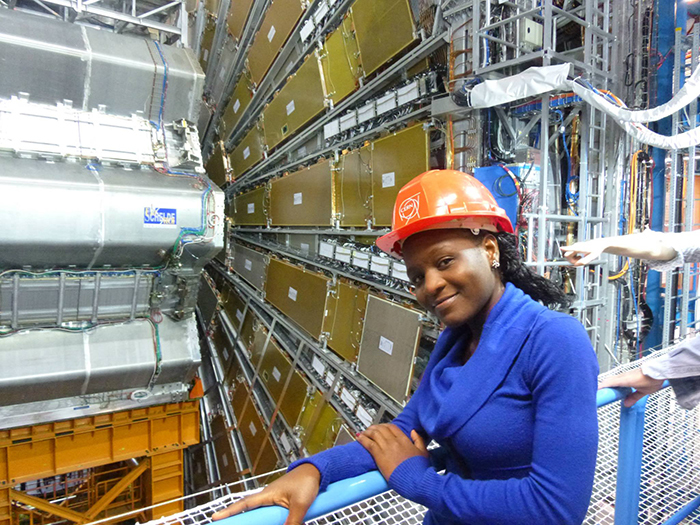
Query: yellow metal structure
[[353, 188], [166, 482], [299, 293], [240, 99], [158, 434], [303, 198], [251, 208], [280, 19], [396, 159], [248, 153], [383, 28], [320, 424], [339, 60], [344, 320], [301, 99], [237, 16]]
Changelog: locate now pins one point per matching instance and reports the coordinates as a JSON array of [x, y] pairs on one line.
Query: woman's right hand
[[295, 491]]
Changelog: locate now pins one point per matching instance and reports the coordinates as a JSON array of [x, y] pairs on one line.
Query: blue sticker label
[[159, 217]]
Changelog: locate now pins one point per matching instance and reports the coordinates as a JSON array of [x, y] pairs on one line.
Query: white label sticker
[[306, 30], [276, 374], [225, 458], [236, 106], [286, 445], [329, 379], [348, 398], [297, 198], [318, 367], [239, 316], [388, 179], [246, 152], [206, 55], [386, 345], [248, 264], [226, 354], [379, 265], [292, 294], [222, 74], [326, 249], [290, 108], [301, 152], [251, 207], [364, 416], [252, 428], [305, 248], [271, 34]]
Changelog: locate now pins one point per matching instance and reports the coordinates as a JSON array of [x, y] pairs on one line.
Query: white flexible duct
[[689, 92], [533, 81]]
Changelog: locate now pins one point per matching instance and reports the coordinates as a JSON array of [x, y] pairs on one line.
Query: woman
[[509, 392]]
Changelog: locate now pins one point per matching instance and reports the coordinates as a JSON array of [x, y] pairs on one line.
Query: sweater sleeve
[[351, 460], [562, 377]]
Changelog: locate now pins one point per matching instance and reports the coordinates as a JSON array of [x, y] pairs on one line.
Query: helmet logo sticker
[[409, 208]]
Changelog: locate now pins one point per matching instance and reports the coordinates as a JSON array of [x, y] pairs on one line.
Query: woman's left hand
[[390, 447]]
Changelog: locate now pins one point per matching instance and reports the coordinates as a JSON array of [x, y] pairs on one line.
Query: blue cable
[[165, 84]]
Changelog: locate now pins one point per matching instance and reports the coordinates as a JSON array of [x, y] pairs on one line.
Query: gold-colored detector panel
[[353, 188], [207, 42], [239, 399], [383, 28], [300, 100], [237, 15], [252, 431], [396, 160], [217, 166], [251, 265], [240, 99], [326, 429], [303, 198], [339, 60], [281, 18], [389, 343], [298, 293], [344, 320], [294, 398], [225, 458], [234, 306], [248, 153], [250, 208], [268, 458], [274, 370], [258, 345]]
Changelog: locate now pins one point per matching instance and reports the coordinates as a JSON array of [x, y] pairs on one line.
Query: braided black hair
[[513, 270]]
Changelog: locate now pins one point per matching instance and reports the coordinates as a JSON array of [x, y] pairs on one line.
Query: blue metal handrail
[[629, 475]]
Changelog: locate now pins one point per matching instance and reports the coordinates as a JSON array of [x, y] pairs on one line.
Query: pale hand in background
[[643, 384]]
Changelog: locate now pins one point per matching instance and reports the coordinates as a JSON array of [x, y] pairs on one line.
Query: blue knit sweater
[[518, 421]]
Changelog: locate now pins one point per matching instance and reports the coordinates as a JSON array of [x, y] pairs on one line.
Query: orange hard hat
[[442, 199]]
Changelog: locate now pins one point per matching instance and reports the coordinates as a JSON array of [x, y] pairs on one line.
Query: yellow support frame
[[159, 432]]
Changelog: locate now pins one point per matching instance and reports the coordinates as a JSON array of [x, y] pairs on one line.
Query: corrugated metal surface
[[299, 101], [281, 18], [344, 320], [383, 29], [248, 152], [251, 265], [105, 359], [389, 342], [298, 293], [303, 198], [54, 61], [396, 160], [353, 188], [237, 105], [341, 69], [237, 16], [251, 208]]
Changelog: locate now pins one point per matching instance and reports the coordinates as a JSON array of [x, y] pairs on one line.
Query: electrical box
[[530, 34]]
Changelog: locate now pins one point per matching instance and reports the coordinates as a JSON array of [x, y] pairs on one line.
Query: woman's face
[[453, 275]]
